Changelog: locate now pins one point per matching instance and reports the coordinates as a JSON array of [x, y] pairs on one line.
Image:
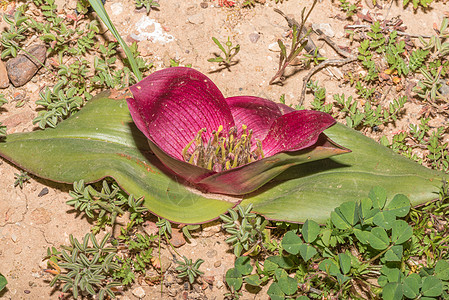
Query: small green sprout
[[21, 179], [189, 269], [229, 53], [148, 4]]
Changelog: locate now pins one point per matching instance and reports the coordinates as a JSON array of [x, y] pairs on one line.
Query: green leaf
[[392, 291], [329, 266], [345, 262], [291, 242], [384, 219], [378, 238], [394, 253], [342, 278], [269, 266], [282, 261], [307, 252], [243, 265], [442, 270], [399, 205], [378, 196], [288, 285], [310, 231], [362, 235], [411, 286], [90, 147], [432, 286], [253, 279], [97, 5], [401, 232], [275, 292], [3, 282], [234, 279]]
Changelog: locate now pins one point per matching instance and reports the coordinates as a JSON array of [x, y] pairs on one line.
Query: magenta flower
[[228, 146]]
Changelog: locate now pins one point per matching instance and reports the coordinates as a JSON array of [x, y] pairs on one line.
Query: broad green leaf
[[302, 298], [392, 274], [394, 253], [310, 231], [291, 242], [362, 235], [3, 282], [349, 212], [282, 261], [313, 190], [243, 265], [378, 195], [342, 278], [411, 286], [234, 278], [275, 292], [392, 291], [307, 252], [338, 220], [401, 232], [329, 266], [378, 238], [442, 270], [345, 262], [384, 219], [253, 279], [399, 205], [269, 266], [101, 141], [288, 285], [432, 286]]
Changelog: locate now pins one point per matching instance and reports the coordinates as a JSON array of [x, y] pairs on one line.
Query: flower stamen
[[222, 152]]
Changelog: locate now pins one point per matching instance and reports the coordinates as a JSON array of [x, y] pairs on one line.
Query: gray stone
[[196, 19], [254, 37], [325, 28], [23, 67], [139, 292]]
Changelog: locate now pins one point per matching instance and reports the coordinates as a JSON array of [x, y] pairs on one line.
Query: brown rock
[[41, 216], [177, 238], [23, 67], [4, 80]]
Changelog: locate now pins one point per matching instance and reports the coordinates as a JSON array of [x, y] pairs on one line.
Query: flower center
[[222, 151]]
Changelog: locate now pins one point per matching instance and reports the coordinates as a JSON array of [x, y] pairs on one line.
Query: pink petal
[[248, 178], [295, 131], [256, 113], [170, 107], [181, 168]]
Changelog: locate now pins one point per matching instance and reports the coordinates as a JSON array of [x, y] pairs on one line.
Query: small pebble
[[43, 192], [325, 28], [211, 253], [4, 80], [217, 264], [219, 284], [27, 291], [196, 19], [23, 67], [254, 37], [139, 292], [204, 5], [14, 237], [116, 8], [274, 47]]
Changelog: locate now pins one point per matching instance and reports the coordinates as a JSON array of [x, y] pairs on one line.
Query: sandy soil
[[30, 223]]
